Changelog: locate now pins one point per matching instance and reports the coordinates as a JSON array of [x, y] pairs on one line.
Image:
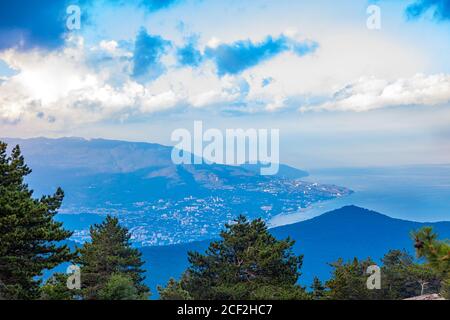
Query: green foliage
[[277, 292], [56, 289], [246, 263], [173, 291], [403, 278], [110, 253], [436, 252], [29, 236], [425, 278], [120, 287], [445, 289], [318, 289], [349, 281], [396, 281]]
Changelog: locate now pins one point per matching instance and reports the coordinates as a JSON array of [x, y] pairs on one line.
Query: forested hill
[[344, 233]]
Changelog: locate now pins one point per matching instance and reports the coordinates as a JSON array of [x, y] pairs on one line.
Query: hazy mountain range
[[161, 203], [187, 206]]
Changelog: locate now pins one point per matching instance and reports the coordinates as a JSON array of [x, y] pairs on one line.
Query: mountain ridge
[[160, 202], [322, 240], [287, 171]]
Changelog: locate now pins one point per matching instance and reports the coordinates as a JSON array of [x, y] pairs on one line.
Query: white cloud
[[84, 84], [372, 93], [75, 86], [213, 42], [159, 102], [110, 46]]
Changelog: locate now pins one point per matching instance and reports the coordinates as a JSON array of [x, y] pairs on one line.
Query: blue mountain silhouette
[[344, 233]]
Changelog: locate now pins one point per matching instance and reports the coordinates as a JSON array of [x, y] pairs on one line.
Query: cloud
[[189, 55], [62, 88], [147, 56], [234, 58], [147, 5], [440, 9], [266, 81], [241, 55], [109, 79], [29, 24], [85, 84], [232, 91], [5, 70], [154, 5], [371, 93]]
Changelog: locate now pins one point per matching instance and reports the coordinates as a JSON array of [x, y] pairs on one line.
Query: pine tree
[[436, 253], [29, 236], [55, 288], [246, 263], [318, 289], [425, 279], [120, 287], [349, 281], [109, 253], [173, 291], [445, 289], [401, 278]]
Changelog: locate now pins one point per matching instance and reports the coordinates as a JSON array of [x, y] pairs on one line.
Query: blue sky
[[343, 94]]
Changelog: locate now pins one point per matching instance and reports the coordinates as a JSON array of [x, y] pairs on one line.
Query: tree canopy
[[109, 263], [30, 238], [437, 255], [246, 263]]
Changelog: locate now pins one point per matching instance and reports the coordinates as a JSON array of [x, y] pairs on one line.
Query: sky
[[340, 92]]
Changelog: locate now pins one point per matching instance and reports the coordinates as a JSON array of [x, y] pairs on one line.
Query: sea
[[416, 193]]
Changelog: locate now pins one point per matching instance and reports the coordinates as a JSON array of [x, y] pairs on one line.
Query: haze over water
[[418, 193]]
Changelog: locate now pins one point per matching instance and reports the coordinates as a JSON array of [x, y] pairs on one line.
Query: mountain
[[347, 232], [161, 203], [284, 171], [92, 156], [351, 232], [111, 156]]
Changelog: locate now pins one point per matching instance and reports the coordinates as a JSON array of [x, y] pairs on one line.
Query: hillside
[[347, 232], [161, 203]]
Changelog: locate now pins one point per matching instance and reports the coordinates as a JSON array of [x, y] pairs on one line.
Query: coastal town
[[196, 218]]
